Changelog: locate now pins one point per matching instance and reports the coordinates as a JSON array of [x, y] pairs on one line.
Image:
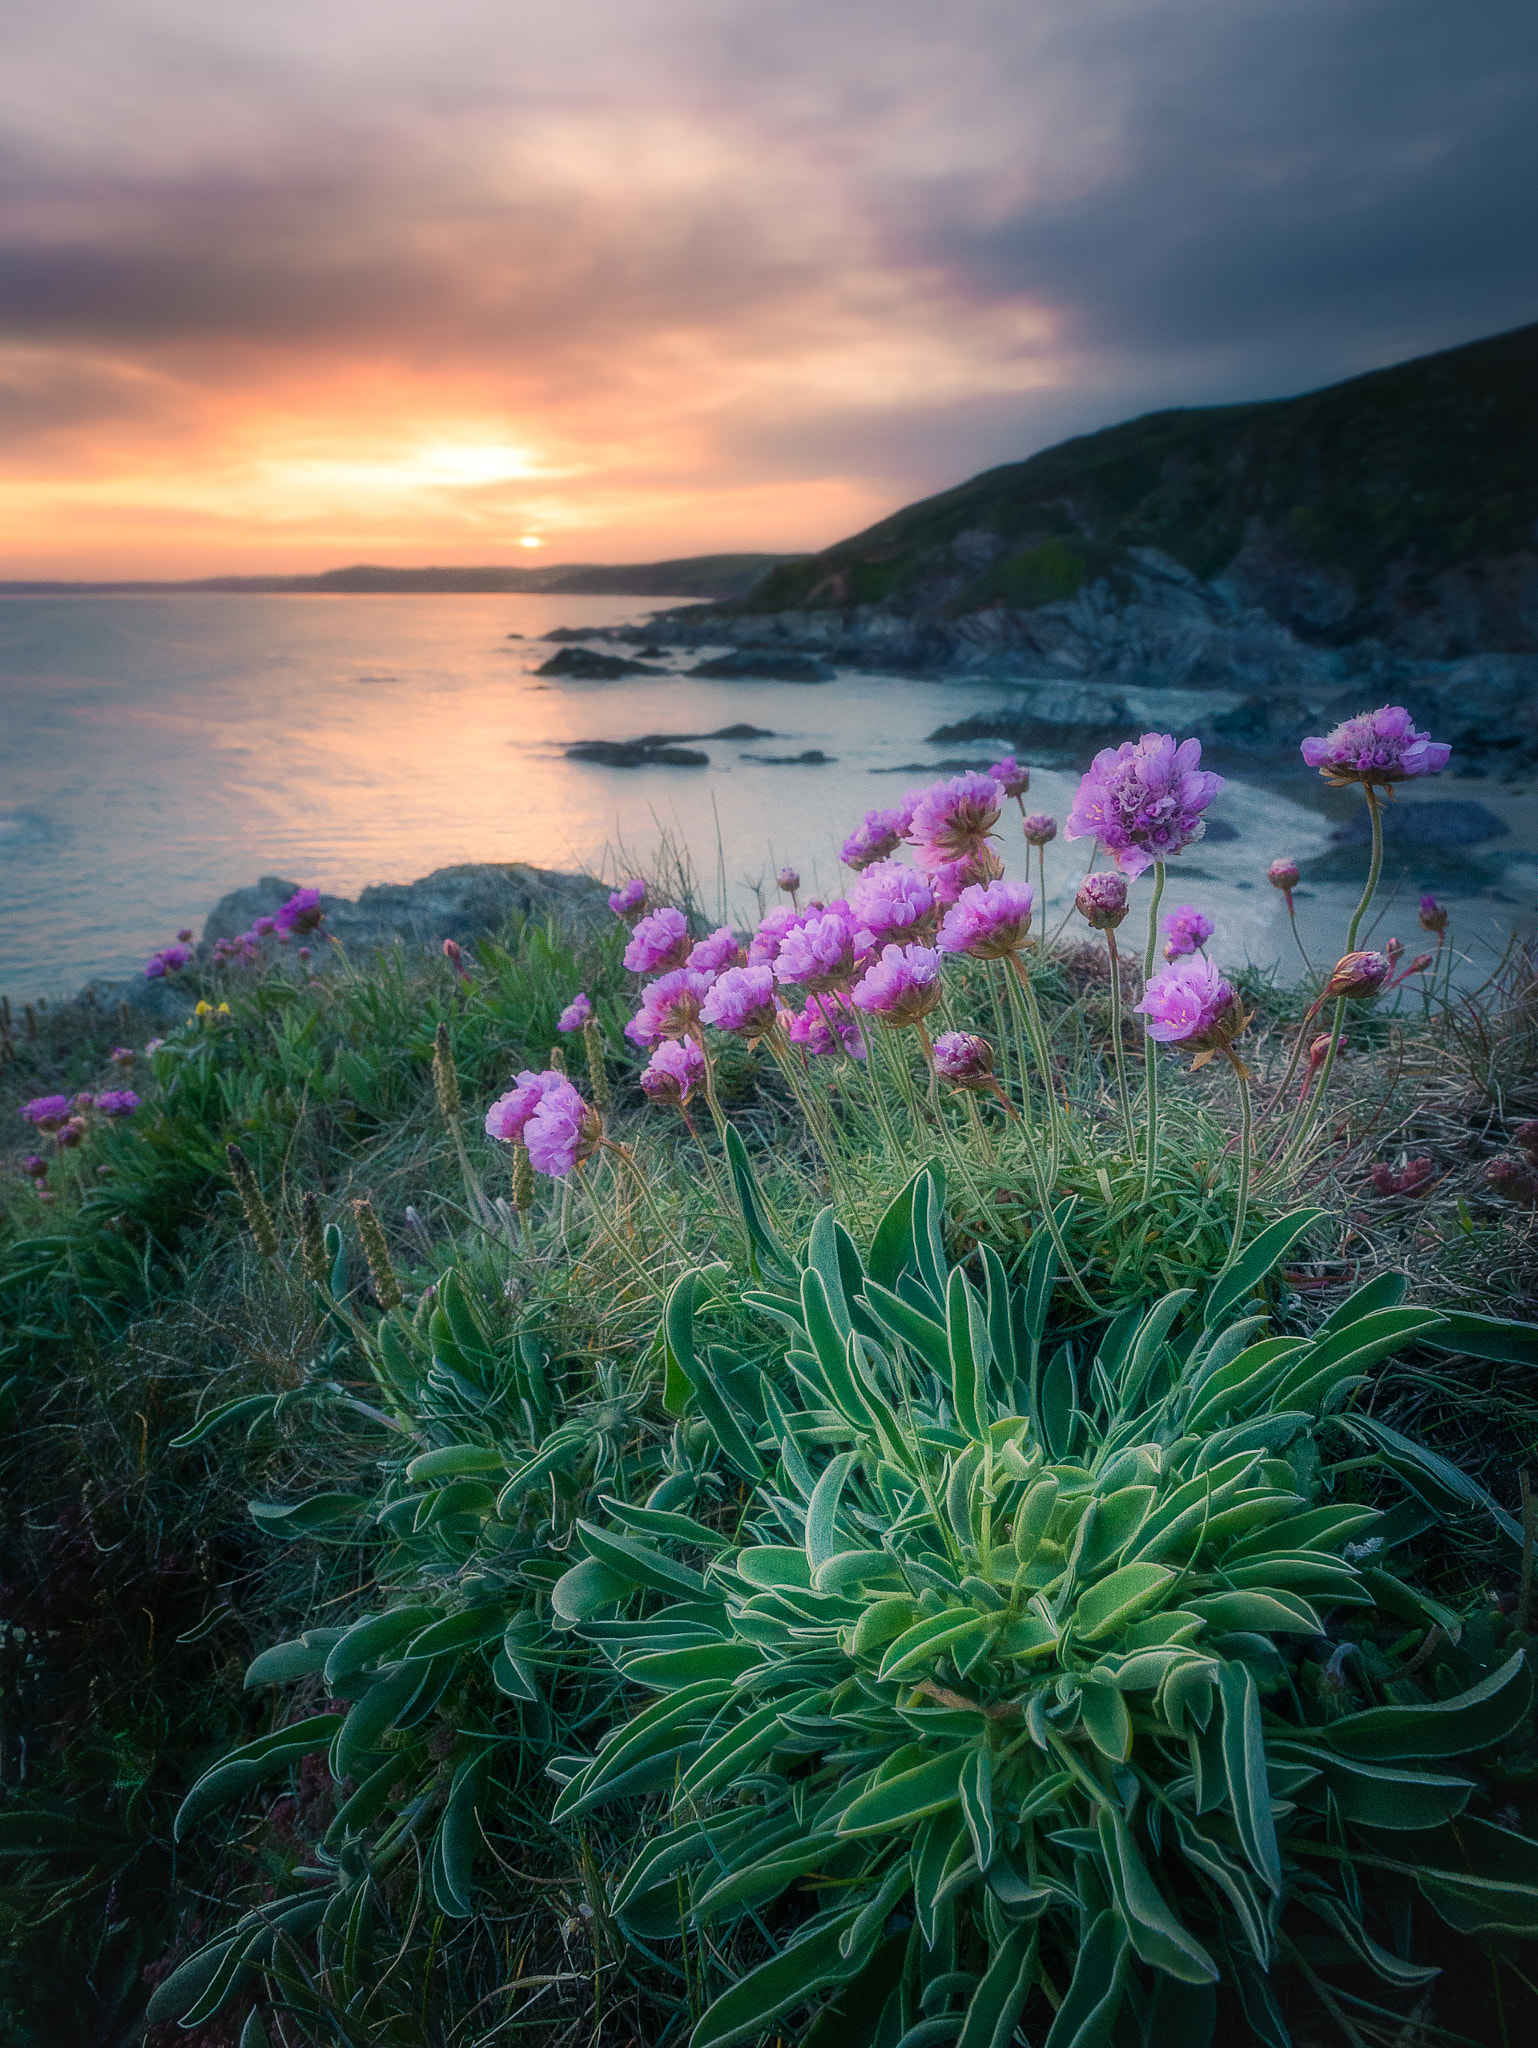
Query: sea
[[157, 751]]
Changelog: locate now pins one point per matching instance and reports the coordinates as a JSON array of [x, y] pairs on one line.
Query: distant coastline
[[707, 577]]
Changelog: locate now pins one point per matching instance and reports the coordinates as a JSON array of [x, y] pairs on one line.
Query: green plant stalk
[[875, 1090], [647, 1278], [1118, 1052], [1150, 1049], [1315, 1098], [810, 1108], [1038, 1038], [1242, 1076], [1292, 919], [1022, 1065], [623, 1153]]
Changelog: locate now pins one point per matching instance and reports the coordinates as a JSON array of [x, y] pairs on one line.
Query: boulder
[[636, 754], [585, 666], [766, 665], [451, 903], [1442, 821]]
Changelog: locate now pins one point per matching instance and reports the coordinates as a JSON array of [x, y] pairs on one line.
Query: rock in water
[[585, 666], [766, 665], [1443, 821], [635, 754]]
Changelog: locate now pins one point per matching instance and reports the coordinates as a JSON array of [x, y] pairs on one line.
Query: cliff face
[[1400, 508]]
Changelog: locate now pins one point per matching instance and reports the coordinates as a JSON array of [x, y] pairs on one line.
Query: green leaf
[[318, 1512], [935, 1636], [977, 1802], [1094, 1999], [243, 1768], [970, 1355], [1379, 1796], [246, 1409], [1469, 1721], [669, 1670], [779, 1985], [994, 2010], [1440, 1484], [1113, 1601], [371, 1717], [1106, 1721], [824, 1540], [765, 1239], [285, 1662], [926, 1336], [367, 1641], [1155, 1929], [1259, 1612], [682, 1371], [927, 1788], [1252, 1266], [587, 1589], [453, 1461], [1244, 1768], [1485, 1337], [456, 1633], [640, 1562]]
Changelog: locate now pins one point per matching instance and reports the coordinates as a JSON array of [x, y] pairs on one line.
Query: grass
[[138, 1588]]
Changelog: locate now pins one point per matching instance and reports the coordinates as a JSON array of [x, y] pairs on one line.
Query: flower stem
[[1118, 1051], [1150, 1050], [1242, 1075], [1292, 919]]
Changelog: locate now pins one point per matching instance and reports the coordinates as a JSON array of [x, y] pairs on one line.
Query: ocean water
[[158, 751]]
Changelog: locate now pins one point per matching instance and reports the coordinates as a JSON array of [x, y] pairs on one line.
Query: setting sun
[[530, 540]]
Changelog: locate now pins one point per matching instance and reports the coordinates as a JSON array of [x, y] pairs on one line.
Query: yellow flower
[[203, 1010]]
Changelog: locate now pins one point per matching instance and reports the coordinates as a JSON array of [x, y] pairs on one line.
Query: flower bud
[[964, 1059], [1283, 874], [1102, 901], [34, 1165], [71, 1133], [1433, 916], [1359, 974], [1394, 948], [1525, 1136], [788, 880], [184, 938], [1040, 830]]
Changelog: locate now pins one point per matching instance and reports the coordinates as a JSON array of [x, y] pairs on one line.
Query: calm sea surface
[[156, 752]]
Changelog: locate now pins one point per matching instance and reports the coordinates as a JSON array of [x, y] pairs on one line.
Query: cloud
[[704, 261]]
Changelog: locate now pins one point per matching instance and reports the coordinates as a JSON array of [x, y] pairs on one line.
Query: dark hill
[[1398, 506]]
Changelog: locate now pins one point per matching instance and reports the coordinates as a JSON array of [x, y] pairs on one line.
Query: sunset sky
[[320, 281]]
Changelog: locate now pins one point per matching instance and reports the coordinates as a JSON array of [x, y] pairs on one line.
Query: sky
[[326, 281]]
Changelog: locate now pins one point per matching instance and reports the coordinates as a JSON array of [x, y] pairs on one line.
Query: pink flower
[[1191, 1004], [301, 913], [562, 1132], [185, 935], [1413, 1177], [264, 927], [1514, 1180], [815, 1033], [989, 921], [770, 936], [1102, 901], [658, 942], [720, 950], [1433, 915], [578, 1011], [964, 1059], [669, 1077], [509, 1114], [116, 1102], [71, 1133], [901, 987], [1283, 874], [1143, 800], [35, 1165], [1186, 929], [1011, 777], [890, 901], [1525, 1136], [670, 1006], [819, 953], [954, 818], [167, 961], [1376, 747], [741, 1001], [1358, 974], [47, 1112], [1040, 830], [788, 880], [878, 834], [629, 899]]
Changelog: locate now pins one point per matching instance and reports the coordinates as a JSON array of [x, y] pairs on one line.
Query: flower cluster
[[988, 920], [670, 1006], [545, 1113], [720, 950], [629, 899], [301, 914], [1011, 777], [891, 901], [878, 835], [1190, 1004], [1143, 800], [1376, 747], [901, 987], [951, 820], [659, 942], [673, 1072], [1186, 930], [578, 1011], [169, 960], [741, 1001]]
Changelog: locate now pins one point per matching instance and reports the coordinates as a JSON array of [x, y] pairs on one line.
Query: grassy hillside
[[1400, 474]]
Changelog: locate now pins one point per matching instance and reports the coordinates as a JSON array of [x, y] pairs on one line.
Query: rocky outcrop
[[451, 903]]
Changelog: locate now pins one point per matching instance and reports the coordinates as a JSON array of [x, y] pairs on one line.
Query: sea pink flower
[[263, 927], [1514, 1180], [891, 901], [452, 952], [510, 1113], [878, 834], [819, 953], [562, 1132], [722, 949], [167, 961], [301, 913], [964, 1059], [659, 942], [770, 935], [1040, 830], [1143, 800], [1358, 974], [671, 1074], [1102, 901], [989, 921], [788, 880], [741, 1001], [35, 1165], [629, 899], [116, 1102], [1011, 777], [1283, 874], [1411, 1177], [955, 817], [1376, 747], [948, 878], [71, 1133], [901, 987], [1186, 930], [1433, 915], [670, 1006], [122, 1055], [47, 1111], [578, 1011], [814, 1031], [1191, 1004], [1526, 1137], [184, 936]]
